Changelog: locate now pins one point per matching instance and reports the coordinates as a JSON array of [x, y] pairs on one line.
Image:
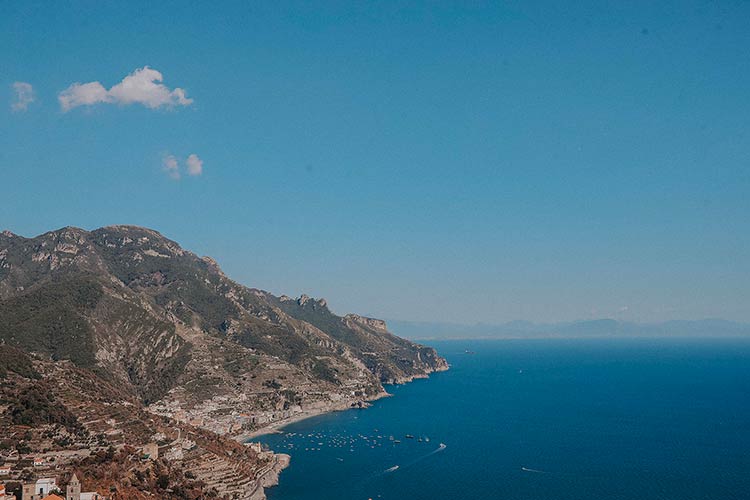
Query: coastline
[[270, 478], [277, 426], [354, 404]]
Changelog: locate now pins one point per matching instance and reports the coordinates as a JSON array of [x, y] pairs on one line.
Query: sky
[[463, 162]]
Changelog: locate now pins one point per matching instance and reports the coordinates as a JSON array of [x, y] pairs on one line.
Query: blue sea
[[610, 419]]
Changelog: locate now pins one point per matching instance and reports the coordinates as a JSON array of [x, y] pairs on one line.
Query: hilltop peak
[[305, 299], [65, 232]]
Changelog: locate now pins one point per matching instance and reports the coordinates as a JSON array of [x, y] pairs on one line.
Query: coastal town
[[225, 416], [55, 475]]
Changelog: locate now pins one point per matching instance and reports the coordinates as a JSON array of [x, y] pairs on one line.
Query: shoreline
[[276, 427]]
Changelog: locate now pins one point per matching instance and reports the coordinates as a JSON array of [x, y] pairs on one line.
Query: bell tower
[[73, 490]]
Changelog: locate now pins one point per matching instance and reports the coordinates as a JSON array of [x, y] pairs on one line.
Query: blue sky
[[459, 162]]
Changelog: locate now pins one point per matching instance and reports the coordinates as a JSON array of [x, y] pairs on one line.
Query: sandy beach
[[277, 426]]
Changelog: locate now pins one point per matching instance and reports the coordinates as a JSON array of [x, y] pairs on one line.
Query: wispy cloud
[[194, 165], [171, 166], [24, 95], [142, 86]]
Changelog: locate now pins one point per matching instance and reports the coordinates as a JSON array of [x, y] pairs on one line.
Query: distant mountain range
[[584, 328]]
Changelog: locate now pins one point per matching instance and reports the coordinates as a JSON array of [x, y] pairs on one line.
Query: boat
[[409, 436], [396, 441]]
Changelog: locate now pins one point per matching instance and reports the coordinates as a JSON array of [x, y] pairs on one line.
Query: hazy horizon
[[592, 328]]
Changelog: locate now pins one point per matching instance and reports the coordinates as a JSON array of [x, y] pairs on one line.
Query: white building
[[91, 495], [36, 490]]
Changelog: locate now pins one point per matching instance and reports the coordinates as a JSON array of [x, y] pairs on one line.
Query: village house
[[151, 450], [92, 495]]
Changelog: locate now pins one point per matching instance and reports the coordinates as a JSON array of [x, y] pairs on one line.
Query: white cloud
[[171, 166], [24, 96], [142, 86], [83, 94], [194, 165]]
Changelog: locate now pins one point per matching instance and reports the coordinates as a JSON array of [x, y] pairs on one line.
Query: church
[[73, 491]]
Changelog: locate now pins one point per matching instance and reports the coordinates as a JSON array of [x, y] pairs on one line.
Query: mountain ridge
[[179, 340]]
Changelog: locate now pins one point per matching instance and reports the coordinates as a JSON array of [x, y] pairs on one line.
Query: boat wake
[[439, 449], [536, 471], [409, 464]]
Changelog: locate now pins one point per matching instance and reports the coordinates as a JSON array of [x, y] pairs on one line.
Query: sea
[[636, 419]]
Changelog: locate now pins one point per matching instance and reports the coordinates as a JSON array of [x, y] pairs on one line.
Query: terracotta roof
[[52, 497]]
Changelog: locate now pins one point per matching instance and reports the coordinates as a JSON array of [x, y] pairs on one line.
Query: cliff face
[[174, 332]]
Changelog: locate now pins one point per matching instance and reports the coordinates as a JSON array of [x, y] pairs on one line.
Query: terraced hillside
[[76, 422]]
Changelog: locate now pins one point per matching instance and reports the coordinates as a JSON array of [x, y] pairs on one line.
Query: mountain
[[179, 339], [584, 328]]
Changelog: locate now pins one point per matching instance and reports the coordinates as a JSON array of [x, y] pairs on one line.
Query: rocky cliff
[[171, 329]]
